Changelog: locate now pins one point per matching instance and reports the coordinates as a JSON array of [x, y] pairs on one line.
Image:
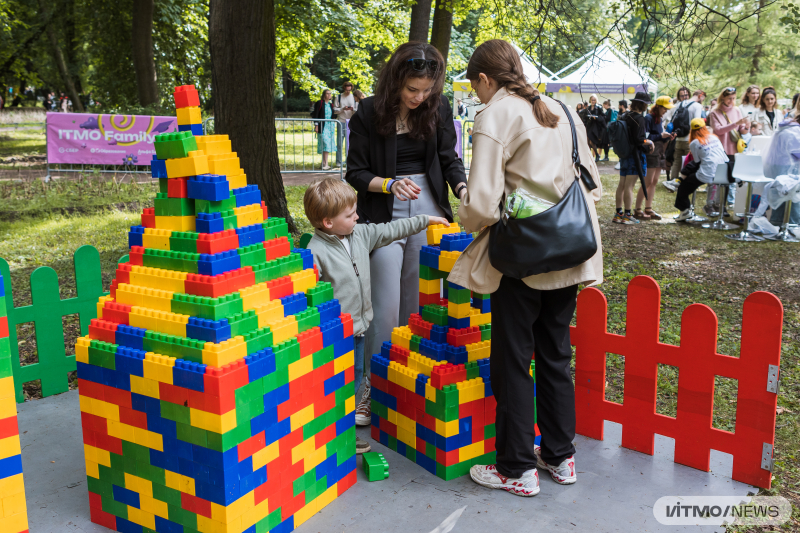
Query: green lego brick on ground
[[375, 466], [206, 307]]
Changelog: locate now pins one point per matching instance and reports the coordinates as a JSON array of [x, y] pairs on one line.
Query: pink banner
[[83, 138]]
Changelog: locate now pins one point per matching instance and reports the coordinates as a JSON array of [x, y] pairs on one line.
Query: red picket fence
[[698, 362]]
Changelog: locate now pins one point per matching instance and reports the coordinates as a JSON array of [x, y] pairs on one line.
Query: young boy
[[341, 251]]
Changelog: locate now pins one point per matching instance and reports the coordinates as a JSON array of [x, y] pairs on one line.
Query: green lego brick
[[486, 332], [167, 259], [307, 319], [111, 506], [183, 241], [411, 453], [323, 357], [215, 206], [174, 145], [243, 323], [479, 296], [290, 264], [300, 484], [426, 272], [258, 339], [3, 311], [5, 363], [229, 220], [489, 431], [413, 345], [163, 185], [375, 466], [458, 296], [167, 495], [472, 370], [379, 409], [103, 488], [177, 413], [430, 451], [436, 314], [271, 521], [319, 294], [343, 393], [286, 353], [166, 206], [255, 254], [175, 513], [274, 228], [218, 308], [102, 354]]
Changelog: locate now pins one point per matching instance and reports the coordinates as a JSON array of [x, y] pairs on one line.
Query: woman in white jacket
[[768, 114]]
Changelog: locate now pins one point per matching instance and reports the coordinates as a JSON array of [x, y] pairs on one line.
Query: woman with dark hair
[[596, 128], [326, 131], [522, 140], [767, 113], [402, 160], [749, 103]]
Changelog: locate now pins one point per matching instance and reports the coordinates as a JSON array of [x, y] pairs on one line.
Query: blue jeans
[[777, 215], [358, 367]]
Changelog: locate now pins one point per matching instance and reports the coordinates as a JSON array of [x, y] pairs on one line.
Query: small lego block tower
[[375, 466], [216, 384], [13, 513]]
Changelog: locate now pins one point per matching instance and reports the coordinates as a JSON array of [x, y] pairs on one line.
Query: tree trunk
[[442, 26], [58, 56], [755, 67], [420, 21], [285, 79], [72, 48], [241, 37], [144, 63]]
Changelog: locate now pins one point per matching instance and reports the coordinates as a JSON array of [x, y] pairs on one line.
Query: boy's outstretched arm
[[384, 234]]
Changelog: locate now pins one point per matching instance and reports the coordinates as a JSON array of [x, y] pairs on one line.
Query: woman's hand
[[433, 221], [745, 121], [405, 189], [665, 135]]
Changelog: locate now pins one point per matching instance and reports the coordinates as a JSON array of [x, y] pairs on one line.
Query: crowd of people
[[32, 97]]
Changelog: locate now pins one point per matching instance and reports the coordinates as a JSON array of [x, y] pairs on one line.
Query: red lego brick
[[278, 247], [488, 445], [133, 417], [346, 482], [447, 374], [221, 284], [399, 354], [135, 256], [149, 217], [103, 330], [462, 337], [251, 446], [9, 427], [310, 341], [113, 289], [446, 458], [379, 383], [214, 243], [390, 429], [419, 326], [98, 516], [325, 436], [186, 96], [116, 312], [427, 299], [176, 188], [196, 505], [316, 272], [347, 324], [3, 327], [264, 209], [375, 433], [278, 288], [123, 273]]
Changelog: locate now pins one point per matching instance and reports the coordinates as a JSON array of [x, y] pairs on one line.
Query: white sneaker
[[686, 214], [617, 166], [364, 408], [488, 476], [671, 186], [563, 474]]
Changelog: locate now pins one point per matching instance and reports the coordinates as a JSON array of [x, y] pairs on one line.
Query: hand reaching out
[[432, 221]]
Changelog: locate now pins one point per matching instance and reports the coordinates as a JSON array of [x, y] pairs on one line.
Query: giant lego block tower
[[432, 397], [216, 384], [13, 513]]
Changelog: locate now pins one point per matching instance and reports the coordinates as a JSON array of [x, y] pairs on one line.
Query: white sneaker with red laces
[[563, 474], [488, 476]]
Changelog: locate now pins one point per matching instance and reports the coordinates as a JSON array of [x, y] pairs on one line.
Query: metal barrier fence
[[466, 142], [298, 145]]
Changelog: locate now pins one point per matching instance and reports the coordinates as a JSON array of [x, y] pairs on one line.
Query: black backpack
[[681, 120], [618, 137]]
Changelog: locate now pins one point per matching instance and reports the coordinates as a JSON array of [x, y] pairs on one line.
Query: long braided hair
[[498, 60]]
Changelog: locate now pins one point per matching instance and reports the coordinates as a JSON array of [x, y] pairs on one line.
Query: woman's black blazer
[[372, 155]]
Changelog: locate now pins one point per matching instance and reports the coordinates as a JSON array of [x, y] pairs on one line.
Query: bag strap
[[576, 158]]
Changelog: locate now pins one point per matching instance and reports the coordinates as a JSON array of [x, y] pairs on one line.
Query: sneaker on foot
[[628, 220], [563, 474], [671, 186], [618, 218], [686, 214], [364, 408], [617, 166], [362, 446], [488, 476]]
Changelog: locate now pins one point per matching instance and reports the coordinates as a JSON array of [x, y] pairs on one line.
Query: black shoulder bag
[[559, 238]]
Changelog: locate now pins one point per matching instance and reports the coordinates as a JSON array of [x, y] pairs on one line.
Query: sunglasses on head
[[420, 63], [730, 90]]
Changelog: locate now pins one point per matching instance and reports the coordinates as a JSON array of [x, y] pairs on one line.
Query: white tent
[[604, 72], [462, 87]]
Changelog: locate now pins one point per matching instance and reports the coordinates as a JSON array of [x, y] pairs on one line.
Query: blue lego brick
[[145, 404], [264, 421], [209, 223], [332, 332], [330, 310], [260, 364], [136, 236], [429, 256], [434, 350], [287, 526], [213, 264], [208, 330], [455, 242], [484, 306], [308, 257], [247, 195], [538, 440], [158, 167], [276, 397], [401, 448], [294, 303], [386, 349], [379, 366], [2, 287], [189, 375], [130, 336], [130, 360], [250, 235], [343, 346], [384, 398], [332, 384], [196, 129], [162, 426], [457, 355], [384, 438], [10, 466], [89, 372], [419, 385], [483, 369], [487, 388], [162, 524], [128, 497], [426, 462], [126, 526], [458, 323], [211, 187], [278, 431], [325, 467], [439, 334]]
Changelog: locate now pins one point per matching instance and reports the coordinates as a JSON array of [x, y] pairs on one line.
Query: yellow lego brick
[[458, 310], [15, 522], [305, 512], [247, 215], [122, 431], [212, 422], [303, 280], [447, 429], [300, 368], [9, 446], [340, 364], [160, 321], [99, 408], [406, 423], [447, 260], [303, 449], [265, 455], [148, 439], [255, 296], [407, 437], [402, 336], [283, 330], [434, 233], [255, 515], [238, 181], [430, 286], [467, 453], [156, 507], [158, 367], [139, 485], [350, 405], [13, 504], [470, 390], [98, 455], [179, 482], [176, 223], [207, 525], [213, 144], [8, 408], [422, 364], [315, 458], [101, 302], [190, 115], [143, 518], [7, 387], [230, 514], [183, 167], [145, 387], [303, 416], [156, 238], [224, 352], [269, 313], [155, 299], [12, 485], [158, 278], [223, 164], [92, 468], [82, 349], [327, 497], [478, 319], [391, 416], [479, 350]]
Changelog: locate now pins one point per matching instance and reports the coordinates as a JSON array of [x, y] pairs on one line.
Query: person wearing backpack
[[630, 127], [680, 116]]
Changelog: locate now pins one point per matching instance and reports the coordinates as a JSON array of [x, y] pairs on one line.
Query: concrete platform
[[616, 488]]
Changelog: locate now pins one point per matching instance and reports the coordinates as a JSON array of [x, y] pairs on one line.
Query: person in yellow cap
[[707, 153], [656, 161]]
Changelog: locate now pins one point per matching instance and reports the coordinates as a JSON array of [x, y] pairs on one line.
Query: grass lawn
[[690, 264]]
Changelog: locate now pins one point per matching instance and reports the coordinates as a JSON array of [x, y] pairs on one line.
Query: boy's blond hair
[[327, 198]]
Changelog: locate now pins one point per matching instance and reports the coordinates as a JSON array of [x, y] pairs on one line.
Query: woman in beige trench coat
[[522, 140]]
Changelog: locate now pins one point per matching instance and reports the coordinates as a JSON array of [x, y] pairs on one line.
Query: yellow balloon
[[631, 90]]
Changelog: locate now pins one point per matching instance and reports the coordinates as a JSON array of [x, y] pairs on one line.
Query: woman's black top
[[410, 156], [596, 125], [372, 155]]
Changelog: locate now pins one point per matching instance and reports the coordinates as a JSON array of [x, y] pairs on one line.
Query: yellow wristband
[[385, 183]]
